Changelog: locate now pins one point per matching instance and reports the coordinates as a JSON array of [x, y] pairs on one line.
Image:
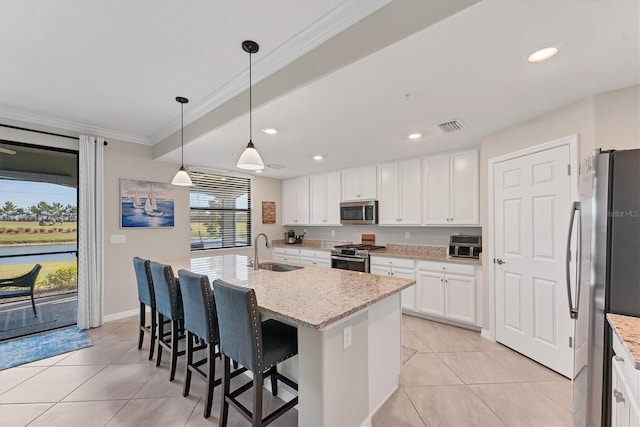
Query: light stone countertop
[[313, 297], [418, 252], [627, 328]]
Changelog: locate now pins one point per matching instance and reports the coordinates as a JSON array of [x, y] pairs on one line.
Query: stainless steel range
[[352, 257]]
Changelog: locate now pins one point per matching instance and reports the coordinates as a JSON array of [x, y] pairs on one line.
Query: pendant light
[[250, 159], [182, 178]]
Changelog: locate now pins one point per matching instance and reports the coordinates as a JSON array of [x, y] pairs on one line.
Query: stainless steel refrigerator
[[606, 221]]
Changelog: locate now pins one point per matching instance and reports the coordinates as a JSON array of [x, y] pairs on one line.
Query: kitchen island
[[349, 341]]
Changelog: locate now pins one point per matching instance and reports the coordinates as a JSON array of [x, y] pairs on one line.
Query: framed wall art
[[268, 212], [146, 204]]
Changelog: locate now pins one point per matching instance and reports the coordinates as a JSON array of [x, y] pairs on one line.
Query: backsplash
[[433, 236]]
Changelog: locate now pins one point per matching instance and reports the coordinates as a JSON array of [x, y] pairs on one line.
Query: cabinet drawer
[[631, 375], [392, 262], [315, 253], [447, 267], [286, 251]]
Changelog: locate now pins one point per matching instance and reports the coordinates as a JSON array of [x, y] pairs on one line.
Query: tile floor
[[450, 376]]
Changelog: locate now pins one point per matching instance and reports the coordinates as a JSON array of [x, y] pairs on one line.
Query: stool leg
[[160, 337], [174, 349], [211, 378], [258, 378], [154, 326], [189, 357], [142, 325], [33, 305], [226, 384], [274, 381]]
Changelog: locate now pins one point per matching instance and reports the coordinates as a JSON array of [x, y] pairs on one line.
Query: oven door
[[350, 263]]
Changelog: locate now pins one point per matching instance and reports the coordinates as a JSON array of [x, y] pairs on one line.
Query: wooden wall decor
[[268, 212]]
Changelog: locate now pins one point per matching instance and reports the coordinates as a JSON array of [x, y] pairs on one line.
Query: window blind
[[220, 211]]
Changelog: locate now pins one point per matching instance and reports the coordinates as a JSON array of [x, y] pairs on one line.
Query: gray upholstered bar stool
[[258, 346], [169, 305], [147, 299]]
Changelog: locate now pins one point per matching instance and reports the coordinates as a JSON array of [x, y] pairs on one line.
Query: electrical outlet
[[407, 235], [117, 238], [333, 233], [346, 337]]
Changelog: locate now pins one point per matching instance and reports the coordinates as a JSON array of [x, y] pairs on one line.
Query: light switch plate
[[117, 238], [407, 235], [346, 337]]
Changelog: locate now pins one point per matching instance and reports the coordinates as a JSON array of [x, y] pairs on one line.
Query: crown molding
[[332, 23], [71, 126]]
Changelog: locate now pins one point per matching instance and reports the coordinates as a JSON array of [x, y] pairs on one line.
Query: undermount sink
[[272, 266]]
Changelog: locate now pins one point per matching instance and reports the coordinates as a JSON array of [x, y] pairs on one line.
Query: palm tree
[[8, 211]]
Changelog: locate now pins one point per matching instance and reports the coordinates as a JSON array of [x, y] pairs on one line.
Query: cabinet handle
[[441, 280], [619, 359], [619, 396]]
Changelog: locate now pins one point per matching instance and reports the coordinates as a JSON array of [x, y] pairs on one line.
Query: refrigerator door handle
[[573, 310]]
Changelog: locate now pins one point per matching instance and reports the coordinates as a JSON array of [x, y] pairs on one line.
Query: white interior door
[[532, 202]]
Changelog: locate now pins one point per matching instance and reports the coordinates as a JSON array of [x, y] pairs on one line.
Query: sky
[[25, 193]]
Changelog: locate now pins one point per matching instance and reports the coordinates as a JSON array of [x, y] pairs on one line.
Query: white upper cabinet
[[295, 201], [359, 184], [325, 199], [399, 193], [451, 189]]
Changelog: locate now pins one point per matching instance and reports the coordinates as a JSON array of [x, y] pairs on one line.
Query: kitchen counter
[[313, 297], [627, 328], [349, 334], [325, 245], [423, 253]]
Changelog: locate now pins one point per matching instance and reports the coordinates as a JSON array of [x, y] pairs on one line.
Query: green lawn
[[48, 268], [29, 232]]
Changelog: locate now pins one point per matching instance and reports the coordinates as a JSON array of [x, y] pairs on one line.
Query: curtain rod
[[43, 132]]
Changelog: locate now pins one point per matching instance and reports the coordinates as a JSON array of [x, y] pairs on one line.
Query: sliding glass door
[[38, 225]]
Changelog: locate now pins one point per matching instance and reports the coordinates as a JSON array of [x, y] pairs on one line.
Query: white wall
[[610, 121]]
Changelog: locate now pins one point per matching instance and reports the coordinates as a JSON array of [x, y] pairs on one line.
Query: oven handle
[[340, 258]]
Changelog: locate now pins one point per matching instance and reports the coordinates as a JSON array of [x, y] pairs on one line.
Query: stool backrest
[[239, 324], [165, 290], [200, 316], [145, 282]]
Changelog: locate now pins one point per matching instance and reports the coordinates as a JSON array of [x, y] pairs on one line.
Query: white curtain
[[90, 233]]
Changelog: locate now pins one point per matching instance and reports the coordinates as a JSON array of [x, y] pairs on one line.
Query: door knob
[[498, 261]]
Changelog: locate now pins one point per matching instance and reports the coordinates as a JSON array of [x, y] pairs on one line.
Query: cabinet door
[[388, 200], [409, 194], [289, 201], [349, 184], [333, 197], [619, 405], [367, 181], [380, 271], [430, 295], [464, 188], [407, 296], [302, 202], [435, 170], [460, 298], [317, 188]]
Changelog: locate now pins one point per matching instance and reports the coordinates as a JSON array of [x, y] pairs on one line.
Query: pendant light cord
[[250, 116], [182, 133]]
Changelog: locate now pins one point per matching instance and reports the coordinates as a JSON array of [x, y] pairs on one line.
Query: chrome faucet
[[255, 246]]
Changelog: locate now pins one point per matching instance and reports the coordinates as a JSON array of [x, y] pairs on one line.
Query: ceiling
[[345, 79]]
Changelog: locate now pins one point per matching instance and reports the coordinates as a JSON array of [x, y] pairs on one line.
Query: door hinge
[[570, 342], [569, 170]]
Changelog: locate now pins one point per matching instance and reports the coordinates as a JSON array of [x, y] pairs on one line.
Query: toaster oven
[[465, 246]]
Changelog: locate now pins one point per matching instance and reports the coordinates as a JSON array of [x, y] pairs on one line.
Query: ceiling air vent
[[451, 126]]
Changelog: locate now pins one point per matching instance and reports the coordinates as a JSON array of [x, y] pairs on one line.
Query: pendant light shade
[[250, 159], [182, 178]]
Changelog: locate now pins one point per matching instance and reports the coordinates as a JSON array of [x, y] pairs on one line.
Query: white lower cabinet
[[625, 392], [315, 257], [446, 290], [286, 254], [397, 267]]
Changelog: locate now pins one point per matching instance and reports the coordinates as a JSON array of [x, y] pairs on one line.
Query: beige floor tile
[[49, 361], [478, 368], [560, 392], [96, 334], [482, 343], [21, 414], [446, 341], [159, 386], [101, 353], [407, 353], [50, 385], [67, 414], [451, 406], [114, 382], [521, 404], [135, 355], [527, 369], [397, 411], [10, 378], [125, 332], [424, 369], [155, 412], [410, 339]]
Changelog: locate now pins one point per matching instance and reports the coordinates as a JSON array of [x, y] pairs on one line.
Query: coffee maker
[[290, 237]]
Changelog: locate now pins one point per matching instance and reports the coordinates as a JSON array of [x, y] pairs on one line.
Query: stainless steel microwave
[[364, 212]]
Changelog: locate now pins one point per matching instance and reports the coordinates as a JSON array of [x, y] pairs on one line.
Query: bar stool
[[147, 299], [169, 305], [258, 346]]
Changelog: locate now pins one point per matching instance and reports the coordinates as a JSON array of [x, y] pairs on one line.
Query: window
[[220, 211]]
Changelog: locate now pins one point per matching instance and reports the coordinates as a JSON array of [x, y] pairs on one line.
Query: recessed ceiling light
[[415, 136], [543, 54], [317, 157], [270, 131]]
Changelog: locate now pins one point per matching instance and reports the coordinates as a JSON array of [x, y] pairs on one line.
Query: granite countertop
[[313, 297], [627, 328], [419, 252]]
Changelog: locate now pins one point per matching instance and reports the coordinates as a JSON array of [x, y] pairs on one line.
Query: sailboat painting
[[145, 204]]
